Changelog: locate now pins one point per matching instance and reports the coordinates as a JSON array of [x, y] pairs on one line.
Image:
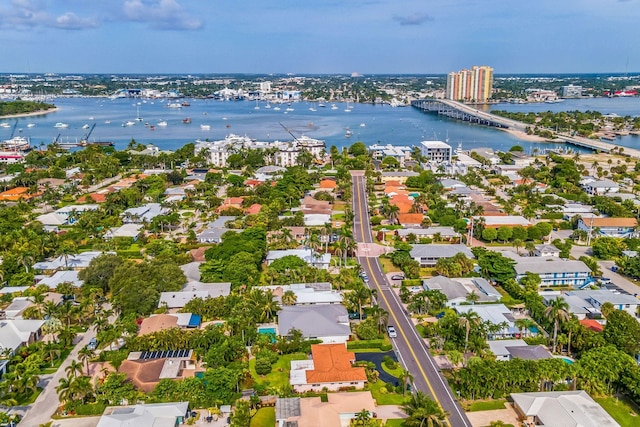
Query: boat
[[362, 125], [334, 107], [138, 118], [186, 121], [5, 125], [205, 127], [130, 123], [101, 143], [312, 109], [348, 134], [85, 126], [268, 106], [185, 104], [17, 143], [257, 107], [276, 108], [152, 127], [162, 123], [174, 105], [289, 109], [107, 122], [31, 125], [554, 101], [348, 109], [322, 105], [91, 118], [61, 125]]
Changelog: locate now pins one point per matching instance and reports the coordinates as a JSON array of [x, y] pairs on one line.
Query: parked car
[[356, 316], [93, 344], [614, 268], [392, 332], [440, 315], [397, 277]]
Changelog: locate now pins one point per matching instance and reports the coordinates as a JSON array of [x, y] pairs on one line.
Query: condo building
[[474, 85]]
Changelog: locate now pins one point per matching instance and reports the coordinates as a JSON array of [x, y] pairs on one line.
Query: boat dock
[[467, 113]]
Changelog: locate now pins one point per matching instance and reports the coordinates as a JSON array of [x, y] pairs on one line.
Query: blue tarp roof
[[195, 321]]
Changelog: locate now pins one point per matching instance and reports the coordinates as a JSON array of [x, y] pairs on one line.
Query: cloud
[[413, 19], [31, 14], [71, 21], [161, 14]]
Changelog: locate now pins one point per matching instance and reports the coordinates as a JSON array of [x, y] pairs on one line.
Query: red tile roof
[[592, 324], [332, 363]]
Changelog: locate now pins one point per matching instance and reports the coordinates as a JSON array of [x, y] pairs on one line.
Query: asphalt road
[[409, 346]]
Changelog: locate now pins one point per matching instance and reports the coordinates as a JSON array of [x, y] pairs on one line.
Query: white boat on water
[[362, 125], [289, 109], [174, 105], [162, 123], [267, 106], [276, 108], [85, 126], [205, 127], [107, 122], [334, 107], [17, 143], [5, 125], [61, 125], [312, 109], [31, 125]]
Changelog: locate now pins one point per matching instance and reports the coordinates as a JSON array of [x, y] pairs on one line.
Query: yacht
[[174, 105], [162, 123], [107, 122], [31, 125], [276, 108], [312, 109], [186, 121], [61, 125], [130, 123], [267, 106], [334, 107], [322, 105], [85, 126], [362, 125], [289, 109], [5, 125], [205, 127], [257, 107], [17, 143]]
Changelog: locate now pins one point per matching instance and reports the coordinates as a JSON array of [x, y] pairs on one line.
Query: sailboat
[[138, 118], [257, 107]]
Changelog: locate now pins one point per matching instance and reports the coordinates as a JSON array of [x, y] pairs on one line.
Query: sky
[[319, 36]]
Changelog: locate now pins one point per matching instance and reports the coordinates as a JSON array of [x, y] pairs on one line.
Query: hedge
[[552, 215], [90, 409], [362, 344]]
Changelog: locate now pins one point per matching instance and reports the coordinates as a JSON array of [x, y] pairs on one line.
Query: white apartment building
[[436, 151], [280, 153]]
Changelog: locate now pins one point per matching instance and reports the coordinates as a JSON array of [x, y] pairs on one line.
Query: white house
[[497, 314], [326, 322], [609, 227], [554, 271], [428, 255], [143, 415], [458, 290], [596, 188]]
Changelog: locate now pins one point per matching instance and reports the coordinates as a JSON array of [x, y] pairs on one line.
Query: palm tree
[[523, 325], [289, 298], [74, 368], [360, 296], [423, 411], [557, 311], [380, 316], [466, 320], [51, 349], [64, 388], [405, 378], [84, 355], [362, 418], [530, 247]]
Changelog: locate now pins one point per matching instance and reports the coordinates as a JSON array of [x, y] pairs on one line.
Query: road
[[410, 347]]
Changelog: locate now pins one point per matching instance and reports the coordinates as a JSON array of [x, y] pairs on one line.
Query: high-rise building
[[472, 85]]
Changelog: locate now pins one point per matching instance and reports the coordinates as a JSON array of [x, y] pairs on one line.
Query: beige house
[[338, 411]]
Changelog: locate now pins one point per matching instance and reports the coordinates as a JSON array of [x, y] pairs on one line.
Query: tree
[[100, 271], [405, 378], [85, 354], [623, 331], [607, 247], [557, 312], [490, 234], [466, 321], [504, 233], [358, 149], [423, 411], [289, 298], [362, 418], [241, 416]]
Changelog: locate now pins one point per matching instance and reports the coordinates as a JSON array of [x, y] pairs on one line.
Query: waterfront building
[[280, 153], [400, 153], [571, 91], [473, 85], [436, 151]]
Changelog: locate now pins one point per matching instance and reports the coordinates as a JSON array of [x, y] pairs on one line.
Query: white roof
[[494, 313], [564, 409], [80, 260], [312, 220], [499, 347], [62, 276], [13, 289], [126, 230], [78, 208], [15, 332], [504, 220], [435, 144], [193, 290], [144, 415], [52, 218], [547, 265]]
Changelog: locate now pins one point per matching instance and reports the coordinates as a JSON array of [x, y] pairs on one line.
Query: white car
[[392, 332]]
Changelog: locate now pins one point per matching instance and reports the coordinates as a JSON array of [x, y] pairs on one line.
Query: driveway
[[77, 422], [377, 359]]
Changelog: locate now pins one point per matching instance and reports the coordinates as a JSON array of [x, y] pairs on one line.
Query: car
[[614, 268], [93, 344], [356, 316], [392, 332], [397, 277], [440, 315]]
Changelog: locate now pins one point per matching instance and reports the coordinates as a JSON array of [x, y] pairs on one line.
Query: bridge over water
[[459, 111]]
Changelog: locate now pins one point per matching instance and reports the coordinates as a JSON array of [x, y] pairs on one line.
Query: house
[[66, 215], [400, 153], [496, 314], [215, 229], [560, 409], [517, 348], [126, 230], [145, 369], [326, 322], [609, 227], [145, 415], [309, 293], [338, 411], [410, 219], [458, 290], [592, 324], [544, 251], [192, 290], [74, 262], [316, 219], [15, 194], [17, 307], [311, 257], [554, 271], [328, 184], [450, 184], [436, 151], [399, 176], [330, 368], [596, 188], [62, 276], [497, 221], [487, 154], [428, 255], [161, 322], [443, 233], [594, 299], [144, 214], [19, 332]]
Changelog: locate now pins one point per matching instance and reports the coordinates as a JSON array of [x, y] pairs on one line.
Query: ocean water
[[367, 123]]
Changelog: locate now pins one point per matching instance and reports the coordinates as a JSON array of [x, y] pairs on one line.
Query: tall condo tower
[[472, 85]]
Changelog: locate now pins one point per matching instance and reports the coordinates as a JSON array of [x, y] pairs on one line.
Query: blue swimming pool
[[267, 331], [534, 330]]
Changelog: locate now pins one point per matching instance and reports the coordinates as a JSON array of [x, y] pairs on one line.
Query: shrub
[[263, 366], [389, 362], [90, 409]]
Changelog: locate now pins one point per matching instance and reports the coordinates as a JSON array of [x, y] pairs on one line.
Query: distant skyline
[[319, 37]]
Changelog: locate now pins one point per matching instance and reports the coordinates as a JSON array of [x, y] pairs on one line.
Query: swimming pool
[[534, 330], [566, 359], [267, 331]]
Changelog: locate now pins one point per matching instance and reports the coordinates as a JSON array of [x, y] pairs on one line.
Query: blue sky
[[315, 36]]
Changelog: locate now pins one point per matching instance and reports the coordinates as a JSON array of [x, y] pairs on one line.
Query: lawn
[[279, 376], [265, 417], [394, 372], [487, 405], [395, 422], [387, 265], [382, 395], [622, 410]]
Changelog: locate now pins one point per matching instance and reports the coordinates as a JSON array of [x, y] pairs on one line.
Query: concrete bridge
[[459, 111]]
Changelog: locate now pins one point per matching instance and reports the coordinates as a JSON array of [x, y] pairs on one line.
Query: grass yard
[[387, 265], [279, 376], [265, 417], [393, 372], [487, 405], [622, 410], [395, 422], [383, 396]]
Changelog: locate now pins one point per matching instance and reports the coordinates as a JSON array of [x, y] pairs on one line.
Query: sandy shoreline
[[35, 113], [524, 136]]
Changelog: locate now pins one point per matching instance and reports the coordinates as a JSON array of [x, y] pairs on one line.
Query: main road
[[411, 349]]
